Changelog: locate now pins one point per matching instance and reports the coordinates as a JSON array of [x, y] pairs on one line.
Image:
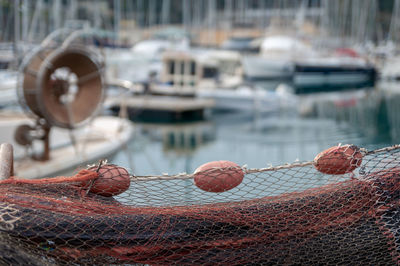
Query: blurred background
[[257, 82], [210, 22]]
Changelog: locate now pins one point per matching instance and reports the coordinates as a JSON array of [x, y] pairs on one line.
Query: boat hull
[[101, 138], [324, 78], [262, 68]]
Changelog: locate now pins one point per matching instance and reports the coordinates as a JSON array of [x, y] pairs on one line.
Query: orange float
[[112, 180], [338, 160], [109, 180], [218, 176]]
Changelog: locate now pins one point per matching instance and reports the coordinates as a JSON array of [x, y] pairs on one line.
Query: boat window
[[4, 65], [171, 67], [182, 140], [193, 142], [210, 72], [171, 140], [183, 67], [192, 68]]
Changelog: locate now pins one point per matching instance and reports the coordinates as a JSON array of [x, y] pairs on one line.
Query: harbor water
[[366, 117]]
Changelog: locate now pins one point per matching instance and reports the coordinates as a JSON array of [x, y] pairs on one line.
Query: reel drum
[[64, 85]]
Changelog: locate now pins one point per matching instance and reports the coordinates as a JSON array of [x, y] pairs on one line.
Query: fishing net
[[343, 208]]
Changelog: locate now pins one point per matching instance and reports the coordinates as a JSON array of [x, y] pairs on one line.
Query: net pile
[[290, 214]]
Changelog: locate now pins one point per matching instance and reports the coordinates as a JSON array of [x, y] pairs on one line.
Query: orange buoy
[[112, 180], [218, 176], [338, 160]]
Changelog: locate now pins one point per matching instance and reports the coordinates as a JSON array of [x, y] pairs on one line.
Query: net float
[[112, 180], [218, 176], [338, 160]]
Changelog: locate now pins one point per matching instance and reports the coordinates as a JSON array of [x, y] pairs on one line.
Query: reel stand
[[60, 85]]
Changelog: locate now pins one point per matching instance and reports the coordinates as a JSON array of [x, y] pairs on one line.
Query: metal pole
[[57, 14], [151, 13], [72, 9], [211, 22], [16, 33], [35, 18], [25, 19], [117, 17], [165, 11], [1, 22], [97, 19], [186, 14], [228, 9]]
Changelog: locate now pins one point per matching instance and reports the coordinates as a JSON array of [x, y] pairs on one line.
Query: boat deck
[[164, 103], [99, 140], [161, 108]]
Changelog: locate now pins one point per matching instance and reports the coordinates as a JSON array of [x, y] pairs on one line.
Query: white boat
[[124, 64], [260, 68], [7, 56], [142, 60], [240, 44], [332, 73], [8, 85], [157, 46], [187, 72], [390, 70], [287, 58], [275, 60], [216, 75], [160, 108], [250, 98], [70, 149]]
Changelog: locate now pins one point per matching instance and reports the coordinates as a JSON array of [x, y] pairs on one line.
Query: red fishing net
[[346, 212]]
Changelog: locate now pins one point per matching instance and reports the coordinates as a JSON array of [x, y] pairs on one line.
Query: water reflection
[[391, 93], [181, 139], [366, 117], [371, 111], [161, 148]]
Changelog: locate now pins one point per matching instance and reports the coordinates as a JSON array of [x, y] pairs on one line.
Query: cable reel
[[61, 83]]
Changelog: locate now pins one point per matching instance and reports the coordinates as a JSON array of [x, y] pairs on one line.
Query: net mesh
[[291, 214]]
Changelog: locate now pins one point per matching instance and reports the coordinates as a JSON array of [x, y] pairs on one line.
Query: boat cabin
[[183, 73]]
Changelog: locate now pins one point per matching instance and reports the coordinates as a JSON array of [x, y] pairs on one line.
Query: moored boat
[[332, 73]]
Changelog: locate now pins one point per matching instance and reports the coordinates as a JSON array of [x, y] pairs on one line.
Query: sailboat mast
[[186, 14], [117, 17], [211, 21], [140, 12], [96, 18], [25, 16], [165, 9], [72, 9], [151, 13], [394, 21], [228, 14], [57, 14], [16, 33]]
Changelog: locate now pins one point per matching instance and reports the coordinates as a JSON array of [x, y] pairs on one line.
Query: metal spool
[[62, 85]]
